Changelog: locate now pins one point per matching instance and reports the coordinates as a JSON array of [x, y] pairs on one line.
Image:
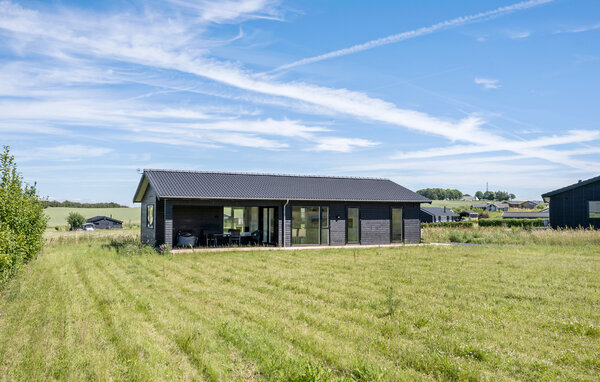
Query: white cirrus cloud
[[487, 83], [459, 21]]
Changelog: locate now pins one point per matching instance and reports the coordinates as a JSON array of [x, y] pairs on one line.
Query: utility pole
[[486, 187]]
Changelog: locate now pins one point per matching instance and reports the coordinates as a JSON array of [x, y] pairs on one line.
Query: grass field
[[88, 310], [451, 204], [58, 215]]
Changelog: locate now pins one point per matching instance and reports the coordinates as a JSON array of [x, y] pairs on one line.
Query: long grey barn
[[577, 205], [270, 209]]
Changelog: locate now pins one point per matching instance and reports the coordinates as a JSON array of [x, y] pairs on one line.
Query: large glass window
[[325, 225], [396, 224], [594, 209], [244, 219], [353, 223], [150, 216], [310, 225]]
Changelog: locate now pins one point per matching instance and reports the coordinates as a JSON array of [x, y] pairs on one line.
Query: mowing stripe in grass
[[198, 359], [128, 354], [286, 329]]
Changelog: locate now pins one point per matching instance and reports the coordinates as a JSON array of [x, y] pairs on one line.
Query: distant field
[[452, 203], [58, 215], [92, 309]]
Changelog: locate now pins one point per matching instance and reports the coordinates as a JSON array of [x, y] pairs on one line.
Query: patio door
[[268, 228]]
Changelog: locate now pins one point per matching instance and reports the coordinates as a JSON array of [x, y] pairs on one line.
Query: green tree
[[22, 219], [512, 196], [502, 195], [489, 195], [479, 195], [75, 219]]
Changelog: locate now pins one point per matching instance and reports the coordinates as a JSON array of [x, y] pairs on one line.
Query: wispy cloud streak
[[459, 21]]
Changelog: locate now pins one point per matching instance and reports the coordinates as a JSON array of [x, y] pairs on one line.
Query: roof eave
[[290, 199]]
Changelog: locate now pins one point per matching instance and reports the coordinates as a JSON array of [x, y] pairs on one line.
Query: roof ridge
[[265, 174]]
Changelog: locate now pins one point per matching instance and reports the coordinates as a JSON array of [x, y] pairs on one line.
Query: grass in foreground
[[85, 311], [512, 236]]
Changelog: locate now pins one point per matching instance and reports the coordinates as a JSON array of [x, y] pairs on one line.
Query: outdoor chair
[[235, 236], [255, 236]]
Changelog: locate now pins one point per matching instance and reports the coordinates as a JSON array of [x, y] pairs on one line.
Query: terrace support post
[[168, 224]]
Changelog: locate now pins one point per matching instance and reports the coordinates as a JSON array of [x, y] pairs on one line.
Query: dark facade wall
[[199, 220], [425, 217], [191, 215], [160, 222], [148, 235], [337, 227], [375, 221], [571, 208], [198, 215], [412, 223]]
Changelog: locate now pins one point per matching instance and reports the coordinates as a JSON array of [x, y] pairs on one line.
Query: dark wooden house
[[577, 205], [280, 210], [105, 222], [438, 215]]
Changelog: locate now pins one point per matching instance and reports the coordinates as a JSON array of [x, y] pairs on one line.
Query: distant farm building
[[577, 205], [469, 198], [437, 215], [105, 222], [469, 214], [491, 207]]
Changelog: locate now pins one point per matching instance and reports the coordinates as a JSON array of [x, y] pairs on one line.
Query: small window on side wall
[[150, 216], [594, 209]]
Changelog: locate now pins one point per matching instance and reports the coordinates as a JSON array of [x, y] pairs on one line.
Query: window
[[324, 225], [353, 222], [244, 219], [310, 225], [594, 209], [150, 216], [396, 225]]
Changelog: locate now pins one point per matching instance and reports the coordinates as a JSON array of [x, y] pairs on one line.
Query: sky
[[429, 93]]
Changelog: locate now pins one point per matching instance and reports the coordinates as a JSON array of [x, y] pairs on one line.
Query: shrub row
[[523, 223], [22, 219], [465, 224]]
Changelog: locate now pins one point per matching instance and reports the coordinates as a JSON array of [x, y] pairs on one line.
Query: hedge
[[22, 219], [523, 223], [466, 224]]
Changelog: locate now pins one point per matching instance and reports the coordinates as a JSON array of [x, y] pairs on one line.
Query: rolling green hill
[[58, 215]]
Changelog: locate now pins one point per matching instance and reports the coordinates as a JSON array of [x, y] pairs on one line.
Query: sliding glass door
[[396, 225], [310, 225], [268, 231], [353, 225]]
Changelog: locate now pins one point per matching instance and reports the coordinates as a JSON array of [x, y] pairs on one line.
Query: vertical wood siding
[[571, 208]]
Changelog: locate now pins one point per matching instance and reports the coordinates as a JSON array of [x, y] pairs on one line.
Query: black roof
[[568, 188], [526, 215], [98, 218], [224, 185], [439, 211]]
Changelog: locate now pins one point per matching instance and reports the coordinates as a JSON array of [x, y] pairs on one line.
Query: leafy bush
[[75, 219], [490, 223], [22, 219], [465, 224], [523, 223]]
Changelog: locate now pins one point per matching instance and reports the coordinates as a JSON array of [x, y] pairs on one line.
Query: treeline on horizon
[[453, 194], [70, 204]]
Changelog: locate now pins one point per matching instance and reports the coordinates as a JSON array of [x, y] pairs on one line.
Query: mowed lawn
[[58, 215], [88, 312]]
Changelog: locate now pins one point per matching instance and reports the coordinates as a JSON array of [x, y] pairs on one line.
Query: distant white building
[[469, 198]]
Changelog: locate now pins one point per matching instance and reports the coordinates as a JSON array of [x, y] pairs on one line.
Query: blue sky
[[428, 93]]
